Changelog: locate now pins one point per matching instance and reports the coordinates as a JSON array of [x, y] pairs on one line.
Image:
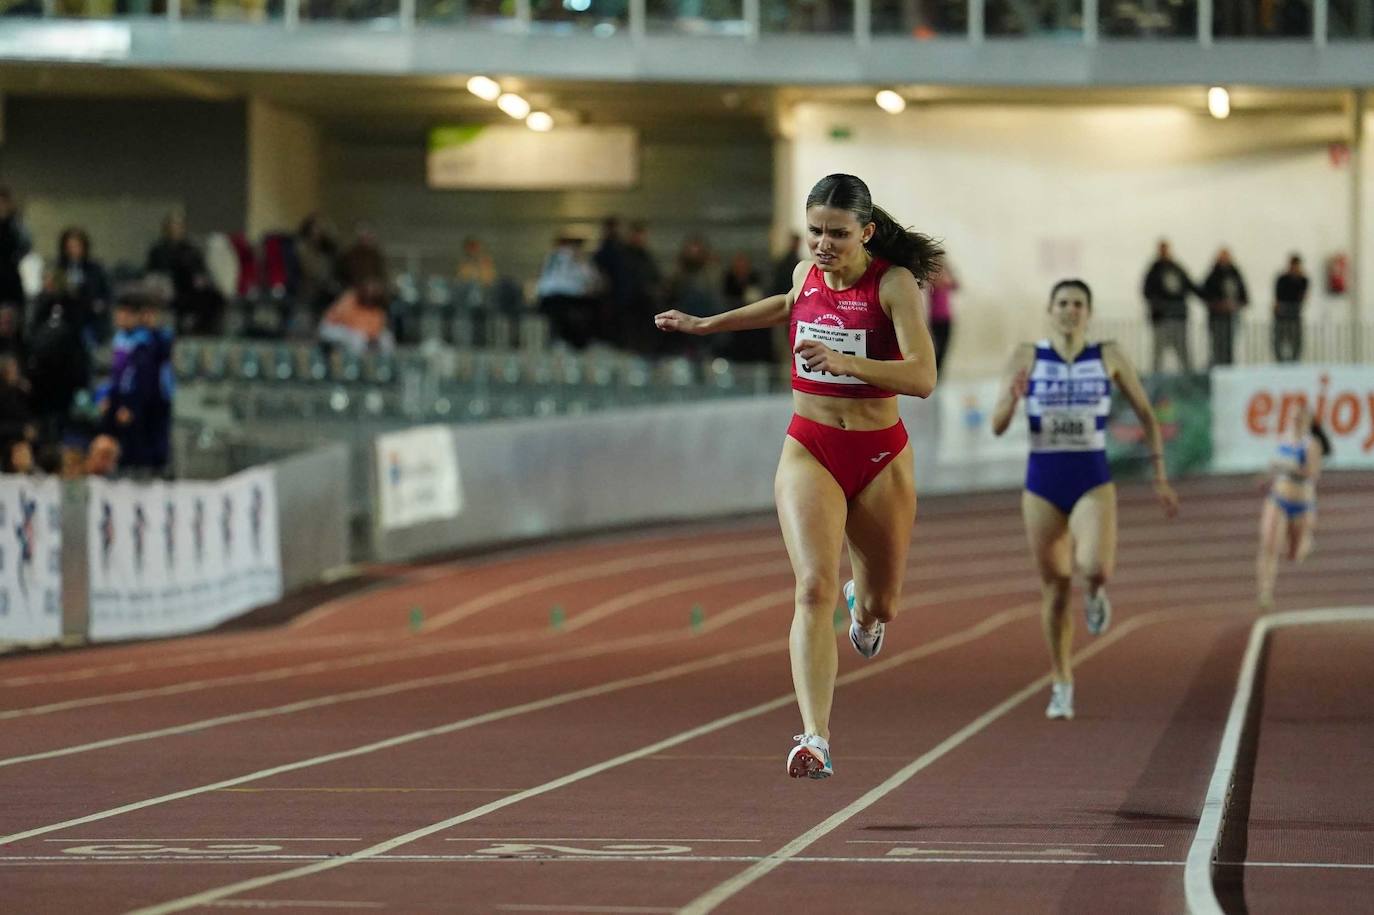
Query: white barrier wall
[[168, 558], [541, 478], [30, 559], [1252, 407]]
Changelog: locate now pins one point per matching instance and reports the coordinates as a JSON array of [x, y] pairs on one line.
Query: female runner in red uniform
[[845, 476]]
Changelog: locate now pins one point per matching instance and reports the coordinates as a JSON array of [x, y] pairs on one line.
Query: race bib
[[849, 342], [1068, 429]]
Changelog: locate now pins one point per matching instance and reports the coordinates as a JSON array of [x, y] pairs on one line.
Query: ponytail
[[920, 254], [1320, 435]]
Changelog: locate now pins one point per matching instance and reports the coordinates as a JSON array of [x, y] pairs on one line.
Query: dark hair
[[920, 254], [80, 235], [1320, 435], [1072, 284]]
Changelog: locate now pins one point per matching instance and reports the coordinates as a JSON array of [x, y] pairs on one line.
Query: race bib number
[[1068, 429], [849, 342]]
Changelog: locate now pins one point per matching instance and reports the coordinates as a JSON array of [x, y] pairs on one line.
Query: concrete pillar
[[283, 168]]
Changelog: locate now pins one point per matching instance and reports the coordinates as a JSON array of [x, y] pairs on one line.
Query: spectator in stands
[[940, 317], [12, 333], [58, 365], [476, 267], [102, 457], [357, 321], [1290, 294], [740, 287], [14, 244], [363, 261], [645, 281], [1166, 289], [567, 289], [615, 302], [196, 303], [1225, 294], [18, 456], [780, 282], [132, 407], [16, 415], [85, 286], [317, 255]]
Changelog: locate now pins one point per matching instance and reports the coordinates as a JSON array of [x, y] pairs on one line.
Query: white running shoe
[[1097, 612], [810, 758], [867, 642], [1061, 702]]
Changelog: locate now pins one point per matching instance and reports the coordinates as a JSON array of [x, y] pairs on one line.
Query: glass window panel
[[466, 12], [1041, 18], [1147, 18], [1351, 19], [1262, 18], [806, 16], [604, 17], [921, 19], [697, 17], [232, 10], [350, 10]]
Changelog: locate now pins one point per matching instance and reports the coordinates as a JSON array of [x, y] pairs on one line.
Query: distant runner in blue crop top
[[1289, 517], [1069, 504]]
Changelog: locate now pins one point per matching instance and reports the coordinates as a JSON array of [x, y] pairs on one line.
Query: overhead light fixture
[[539, 120], [484, 88], [1218, 102], [513, 105], [890, 101]]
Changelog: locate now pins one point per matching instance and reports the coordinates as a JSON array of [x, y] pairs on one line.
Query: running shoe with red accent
[[810, 758]]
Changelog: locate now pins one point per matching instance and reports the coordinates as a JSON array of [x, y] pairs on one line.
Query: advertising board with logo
[[180, 557], [417, 477], [30, 559], [1253, 407]]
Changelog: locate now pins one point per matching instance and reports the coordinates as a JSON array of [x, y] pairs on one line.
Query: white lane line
[[615, 605], [723, 891], [594, 910], [53, 861], [729, 615], [215, 839], [293, 904], [1197, 879], [1009, 844], [602, 689], [599, 839], [970, 634]]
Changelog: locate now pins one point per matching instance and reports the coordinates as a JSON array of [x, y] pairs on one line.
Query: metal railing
[[1071, 21]]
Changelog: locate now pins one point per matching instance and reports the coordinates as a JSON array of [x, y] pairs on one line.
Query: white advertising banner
[[167, 558], [30, 559], [417, 477], [966, 424], [1253, 406]]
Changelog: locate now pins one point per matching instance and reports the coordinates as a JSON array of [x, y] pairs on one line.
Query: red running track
[[628, 762]]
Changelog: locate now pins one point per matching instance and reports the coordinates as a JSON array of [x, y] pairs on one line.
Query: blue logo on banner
[[198, 529], [24, 531], [107, 532], [226, 524], [255, 519], [169, 533], [140, 523]]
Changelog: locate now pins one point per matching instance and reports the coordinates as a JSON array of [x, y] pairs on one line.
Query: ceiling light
[[890, 101], [484, 88], [1218, 102], [540, 121], [513, 105]]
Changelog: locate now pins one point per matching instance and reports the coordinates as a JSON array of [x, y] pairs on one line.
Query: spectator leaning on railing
[[14, 244]]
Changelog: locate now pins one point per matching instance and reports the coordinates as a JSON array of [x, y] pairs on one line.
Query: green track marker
[[556, 618], [698, 617], [417, 619]]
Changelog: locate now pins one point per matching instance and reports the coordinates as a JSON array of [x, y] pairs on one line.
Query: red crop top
[[849, 321]]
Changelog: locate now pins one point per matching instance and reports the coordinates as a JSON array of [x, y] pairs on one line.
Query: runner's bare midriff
[[855, 413]]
